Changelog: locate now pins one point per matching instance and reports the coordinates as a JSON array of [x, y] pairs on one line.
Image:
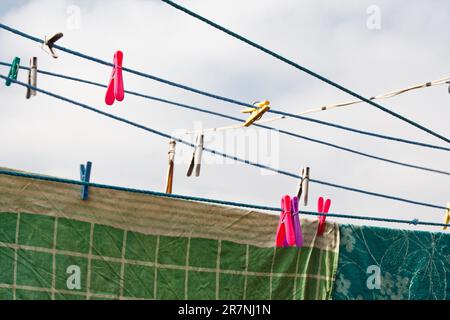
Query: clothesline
[[370, 156], [372, 134], [304, 69], [165, 135], [213, 201], [197, 91], [327, 107]]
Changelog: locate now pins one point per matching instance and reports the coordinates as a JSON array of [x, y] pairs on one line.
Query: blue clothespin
[[85, 176], [13, 71]]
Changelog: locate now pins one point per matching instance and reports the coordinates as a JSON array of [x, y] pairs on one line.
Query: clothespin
[[303, 187], [297, 224], [32, 77], [48, 44], [85, 176], [285, 235], [171, 152], [447, 215], [257, 112], [115, 88], [448, 86], [196, 157], [322, 208], [13, 72]]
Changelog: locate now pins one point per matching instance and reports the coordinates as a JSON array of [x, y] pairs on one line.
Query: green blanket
[[121, 245], [386, 264]]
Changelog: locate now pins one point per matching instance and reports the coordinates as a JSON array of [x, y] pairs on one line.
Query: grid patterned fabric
[[120, 245], [37, 254]]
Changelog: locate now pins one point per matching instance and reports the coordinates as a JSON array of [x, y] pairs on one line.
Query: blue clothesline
[[211, 95], [304, 69], [257, 125], [213, 201], [165, 135]]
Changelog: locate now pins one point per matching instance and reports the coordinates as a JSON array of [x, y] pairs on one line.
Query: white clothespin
[[196, 157], [303, 187], [169, 182], [32, 77], [48, 44]]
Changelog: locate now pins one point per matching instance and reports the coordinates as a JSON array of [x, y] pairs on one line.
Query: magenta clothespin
[[297, 224], [115, 88], [285, 231], [322, 208]]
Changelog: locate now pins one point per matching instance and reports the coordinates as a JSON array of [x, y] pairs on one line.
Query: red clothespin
[[115, 88], [322, 208], [285, 232]]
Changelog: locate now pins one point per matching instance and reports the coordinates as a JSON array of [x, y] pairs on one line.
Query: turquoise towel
[[386, 264]]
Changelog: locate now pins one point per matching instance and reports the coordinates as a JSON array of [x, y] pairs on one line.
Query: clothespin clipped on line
[[196, 157], [303, 187], [169, 182], [447, 215], [32, 77], [296, 222], [285, 236], [85, 176], [322, 207], [257, 112], [448, 86], [13, 71], [48, 44], [115, 89]]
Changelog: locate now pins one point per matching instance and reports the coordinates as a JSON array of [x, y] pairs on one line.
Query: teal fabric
[[386, 264]]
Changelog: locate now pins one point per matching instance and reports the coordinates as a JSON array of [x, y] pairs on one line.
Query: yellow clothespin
[[447, 215], [257, 112]]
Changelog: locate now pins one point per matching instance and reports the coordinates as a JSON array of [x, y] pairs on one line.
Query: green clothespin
[[13, 71]]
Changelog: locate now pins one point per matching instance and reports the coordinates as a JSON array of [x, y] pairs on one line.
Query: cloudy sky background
[[47, 136]]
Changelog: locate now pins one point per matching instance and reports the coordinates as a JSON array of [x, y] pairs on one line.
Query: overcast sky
[[47, 136]]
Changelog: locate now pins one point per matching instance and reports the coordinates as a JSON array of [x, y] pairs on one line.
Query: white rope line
[[387, 95]]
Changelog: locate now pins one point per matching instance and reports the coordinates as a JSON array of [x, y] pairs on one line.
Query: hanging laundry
[[387, 264], [13, 71], [115, 89]]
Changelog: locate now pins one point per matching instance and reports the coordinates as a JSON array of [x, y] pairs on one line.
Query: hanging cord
[[170, 83], [255, 164], [376, 135], [407, 165], [302, 68], [211, 201], [327, 107]]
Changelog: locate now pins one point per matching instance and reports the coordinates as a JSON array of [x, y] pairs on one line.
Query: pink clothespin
[[285, 231], [115, 88], [322, 208], [297, 224]]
